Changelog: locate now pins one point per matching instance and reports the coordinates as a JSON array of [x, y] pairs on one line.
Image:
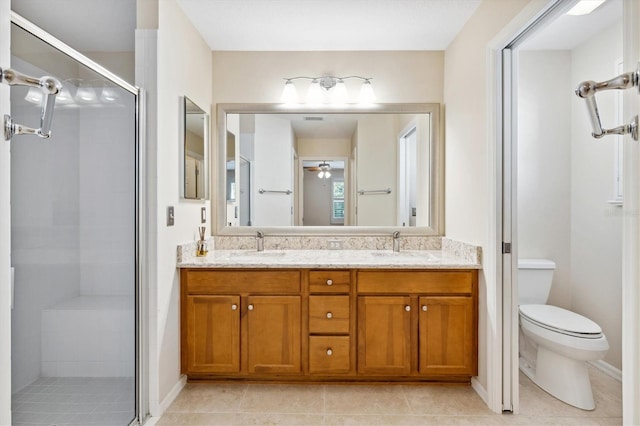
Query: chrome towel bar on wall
[[587, 91], [49, 85]]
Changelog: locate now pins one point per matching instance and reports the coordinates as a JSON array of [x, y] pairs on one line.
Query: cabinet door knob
[[329, 315], [250, 307], [329, 282], [329, 352], [234, 307], [424, 308], [407, 308]]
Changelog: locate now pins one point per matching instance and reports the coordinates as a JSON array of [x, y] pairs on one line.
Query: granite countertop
[[328, 259]]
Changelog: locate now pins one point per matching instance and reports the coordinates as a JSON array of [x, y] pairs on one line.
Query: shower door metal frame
[[141, 392]]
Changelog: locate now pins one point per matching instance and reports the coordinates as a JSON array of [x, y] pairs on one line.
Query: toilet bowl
[[556, 344]]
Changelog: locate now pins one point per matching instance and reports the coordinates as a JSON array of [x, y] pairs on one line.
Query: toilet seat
[[561, 321]]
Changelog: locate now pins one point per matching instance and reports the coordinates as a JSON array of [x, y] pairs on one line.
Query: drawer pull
[[329, 315], [234, 307], [329, 282], [329, 352], [424, 308], [250, 307], [407, 308]]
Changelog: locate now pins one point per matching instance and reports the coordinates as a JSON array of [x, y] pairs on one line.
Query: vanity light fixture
[[327, 89]]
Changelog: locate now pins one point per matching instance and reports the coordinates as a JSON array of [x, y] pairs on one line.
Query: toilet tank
[[534, 280]]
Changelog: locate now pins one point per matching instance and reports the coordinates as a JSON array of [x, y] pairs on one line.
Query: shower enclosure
[[74, 241]]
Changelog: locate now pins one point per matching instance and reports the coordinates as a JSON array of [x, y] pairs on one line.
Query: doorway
[[561, 187], [74, 242]]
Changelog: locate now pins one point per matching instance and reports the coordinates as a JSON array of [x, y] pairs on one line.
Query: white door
[[5, 229]]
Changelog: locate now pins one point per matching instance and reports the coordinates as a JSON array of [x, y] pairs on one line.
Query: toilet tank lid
[[536, 264]]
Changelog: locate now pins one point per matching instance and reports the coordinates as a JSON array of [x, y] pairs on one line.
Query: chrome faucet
[[396, 241], [260, 240]]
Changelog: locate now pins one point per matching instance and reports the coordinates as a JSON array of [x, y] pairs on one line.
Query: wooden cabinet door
[[273, 336], [446, 336], [213, 334], [384, 335]]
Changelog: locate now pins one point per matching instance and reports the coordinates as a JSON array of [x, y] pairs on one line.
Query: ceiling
[[85, 25], [317, 25], [567, 32]]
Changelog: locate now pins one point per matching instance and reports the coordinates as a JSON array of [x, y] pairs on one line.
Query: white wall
[[183, 69], [468, 174], [565, 178], [544, 164], [596, 231]]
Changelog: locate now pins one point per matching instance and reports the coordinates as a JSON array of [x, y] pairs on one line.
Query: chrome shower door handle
[[49, 85], [587, 90]]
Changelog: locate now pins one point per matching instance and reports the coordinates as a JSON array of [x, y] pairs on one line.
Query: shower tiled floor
[[280, 404], [75, 401]]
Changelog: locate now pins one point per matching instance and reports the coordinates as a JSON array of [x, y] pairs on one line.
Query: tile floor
[[75, 401], [333, 404]]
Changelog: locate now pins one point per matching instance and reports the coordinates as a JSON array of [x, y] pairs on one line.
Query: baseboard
[[172, 395], [480, 390], [608, 369]]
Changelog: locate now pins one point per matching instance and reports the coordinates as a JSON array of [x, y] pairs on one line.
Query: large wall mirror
[[330, 171], [195, 147]]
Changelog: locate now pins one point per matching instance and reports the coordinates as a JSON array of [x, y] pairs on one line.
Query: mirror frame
[[436, 152], [183, 154]]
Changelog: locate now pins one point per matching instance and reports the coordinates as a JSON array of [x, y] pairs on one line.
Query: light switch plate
[[203, 215], [170, 216]]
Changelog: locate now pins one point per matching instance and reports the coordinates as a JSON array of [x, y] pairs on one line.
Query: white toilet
[[555, 343]]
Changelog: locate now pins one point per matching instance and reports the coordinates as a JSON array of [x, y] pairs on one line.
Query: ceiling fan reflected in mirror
[[323, 169]]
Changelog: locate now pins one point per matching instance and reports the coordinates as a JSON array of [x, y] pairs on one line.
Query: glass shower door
[[74, 239]]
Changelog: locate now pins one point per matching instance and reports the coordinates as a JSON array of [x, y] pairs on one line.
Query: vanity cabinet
[[359, 324], [421, 323], [330, 323], [240, 322]]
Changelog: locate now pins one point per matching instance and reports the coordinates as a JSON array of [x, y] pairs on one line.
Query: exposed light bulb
[[366, 93], [314, 95], [289, 93], [34, 96]]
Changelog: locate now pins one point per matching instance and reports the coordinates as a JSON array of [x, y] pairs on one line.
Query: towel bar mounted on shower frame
[[587, 91], [49, 85]]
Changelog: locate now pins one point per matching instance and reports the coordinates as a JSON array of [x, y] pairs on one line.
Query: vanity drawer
[[329, 281], [402, 282], [242, 281], [329, 355], [329, 314]]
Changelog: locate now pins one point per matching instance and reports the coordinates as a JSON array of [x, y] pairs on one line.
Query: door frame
[[141, 334], [5, 226], [503, 113]]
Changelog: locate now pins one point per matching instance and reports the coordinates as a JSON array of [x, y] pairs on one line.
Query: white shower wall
[[71, 235]]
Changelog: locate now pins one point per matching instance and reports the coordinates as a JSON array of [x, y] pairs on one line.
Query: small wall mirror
[[195, 149]]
